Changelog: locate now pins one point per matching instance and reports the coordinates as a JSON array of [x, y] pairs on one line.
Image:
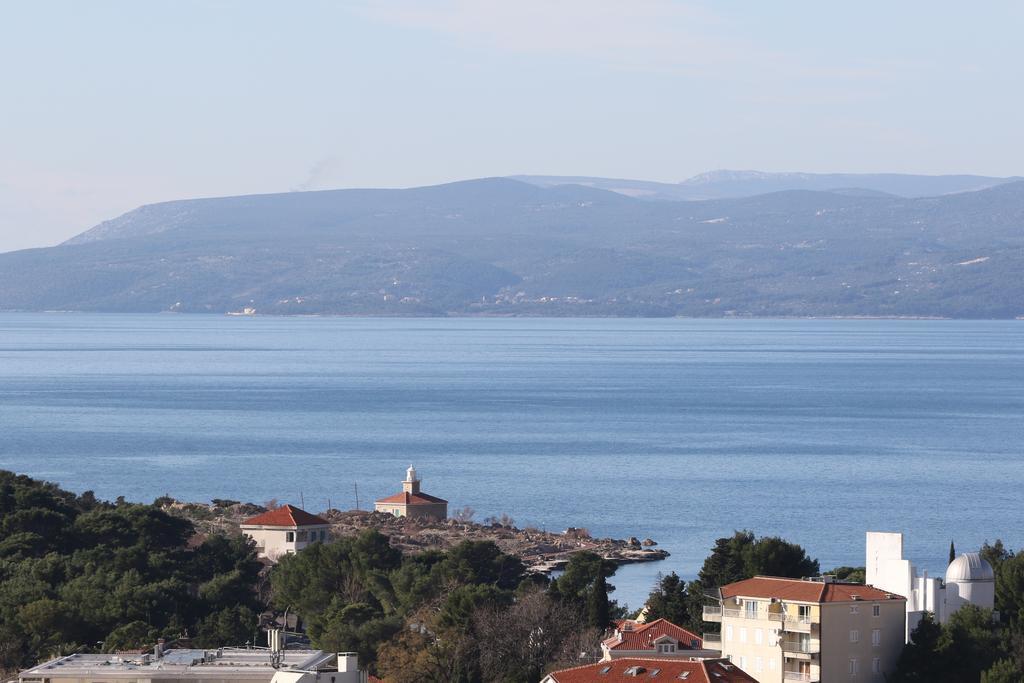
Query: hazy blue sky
[[108, 105]]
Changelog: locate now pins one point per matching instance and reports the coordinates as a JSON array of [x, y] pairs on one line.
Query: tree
[[1010, 589], [952, 552], [536, 634], [464, 514], [1003, 671], [921, 661], [970, 641], [741, 556], [131, 635], [584, 585], [668, 600], [773, 556], [598, 611], [995, 553], [849, 574], [237, 625]]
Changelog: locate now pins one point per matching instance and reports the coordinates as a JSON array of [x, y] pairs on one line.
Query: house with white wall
[[284, 531]]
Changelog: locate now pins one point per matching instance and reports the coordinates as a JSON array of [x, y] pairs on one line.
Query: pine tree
[[952, 552], [598, 609]]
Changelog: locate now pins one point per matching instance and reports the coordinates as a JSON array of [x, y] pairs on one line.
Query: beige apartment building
[[808, 630]]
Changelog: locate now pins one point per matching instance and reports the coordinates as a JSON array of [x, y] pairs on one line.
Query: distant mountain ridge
[[498, 246], [724, 184]]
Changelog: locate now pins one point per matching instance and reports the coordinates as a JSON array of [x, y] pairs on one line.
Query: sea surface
[[679, 430]]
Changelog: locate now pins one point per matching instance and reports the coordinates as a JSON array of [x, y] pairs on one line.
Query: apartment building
[[779, 629]]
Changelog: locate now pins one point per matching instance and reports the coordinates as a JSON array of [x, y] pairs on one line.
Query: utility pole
[[356, 487]]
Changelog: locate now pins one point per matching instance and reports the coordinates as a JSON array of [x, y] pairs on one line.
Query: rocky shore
[[541, 551]]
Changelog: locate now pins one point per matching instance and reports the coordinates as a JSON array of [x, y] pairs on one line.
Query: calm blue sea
[[681, 430]]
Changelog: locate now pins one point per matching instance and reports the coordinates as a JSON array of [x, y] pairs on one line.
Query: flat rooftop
[[224, 662]]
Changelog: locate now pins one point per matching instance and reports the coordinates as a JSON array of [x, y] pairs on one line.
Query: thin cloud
[[656, 34]]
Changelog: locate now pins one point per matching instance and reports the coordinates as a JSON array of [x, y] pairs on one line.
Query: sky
[[107, 105]]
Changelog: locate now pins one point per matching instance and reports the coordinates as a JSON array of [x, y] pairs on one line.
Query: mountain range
[[835, 245]]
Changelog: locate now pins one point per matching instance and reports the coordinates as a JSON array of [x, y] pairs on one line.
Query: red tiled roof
[[799, 590], [701, 671], [642, 636], [286, 515], [412, 499]]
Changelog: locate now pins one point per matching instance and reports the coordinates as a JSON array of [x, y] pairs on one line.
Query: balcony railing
[[795, 676], [801, 624], [712, 613], [713, 640], [811, 647]]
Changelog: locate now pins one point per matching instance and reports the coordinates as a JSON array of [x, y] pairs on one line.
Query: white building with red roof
[[632, 669], [658, 638], [813, 630], [284, 531], [412, 502]]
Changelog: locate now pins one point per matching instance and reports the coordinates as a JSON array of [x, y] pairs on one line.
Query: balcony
[[796, 676], [799, 624], [712, 613], [712, 641], [795, 647]]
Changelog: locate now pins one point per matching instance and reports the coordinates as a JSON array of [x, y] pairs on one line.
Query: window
[[854, 609], [666, 648], [743, 635], [804, 612], [758, 636], [876, 637], [758, 664], [771, 664], [743, 662], [854, 666], [854, 635], [728, 631], [751, 610], [876, 666], [876, 610], [289, 536]]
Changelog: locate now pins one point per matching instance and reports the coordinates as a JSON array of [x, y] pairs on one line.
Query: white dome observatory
[[970, 579]]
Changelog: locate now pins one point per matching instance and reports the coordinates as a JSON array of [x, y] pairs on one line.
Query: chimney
[[158, 649], [348, 668]]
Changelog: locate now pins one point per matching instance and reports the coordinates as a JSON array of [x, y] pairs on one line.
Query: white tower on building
[[411, 483]]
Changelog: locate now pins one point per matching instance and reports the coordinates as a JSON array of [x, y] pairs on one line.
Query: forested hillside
[[502, 247]]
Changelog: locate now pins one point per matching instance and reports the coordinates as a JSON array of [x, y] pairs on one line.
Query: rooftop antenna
[[302, 501], [356, 487]]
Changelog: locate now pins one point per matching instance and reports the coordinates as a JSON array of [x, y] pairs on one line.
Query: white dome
[[970, 567]]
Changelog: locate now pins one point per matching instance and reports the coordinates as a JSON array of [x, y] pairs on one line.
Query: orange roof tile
[[653, 671], [412, 499], [799, 590], [286, 515], [642, 636]]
